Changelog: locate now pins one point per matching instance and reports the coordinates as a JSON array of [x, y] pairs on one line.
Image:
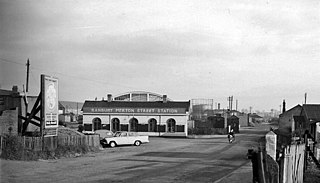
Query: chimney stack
[[284, 106], [164, 98], [219, 106], [15, 89], [109, 97]]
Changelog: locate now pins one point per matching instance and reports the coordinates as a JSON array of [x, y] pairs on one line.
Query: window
[[87, 127], [152, 125], [115, 123], [133, 125], [96, 124], [171, 125]]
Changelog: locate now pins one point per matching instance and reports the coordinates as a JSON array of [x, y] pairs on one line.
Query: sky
[[259, 52]]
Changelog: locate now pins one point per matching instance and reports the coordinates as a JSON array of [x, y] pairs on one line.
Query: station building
[[143, 112]]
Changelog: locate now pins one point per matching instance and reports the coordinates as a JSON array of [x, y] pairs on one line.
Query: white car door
[[123, 139]]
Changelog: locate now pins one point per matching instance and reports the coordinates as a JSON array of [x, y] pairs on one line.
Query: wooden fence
[[51, 143], [286, 167], [292, 164]]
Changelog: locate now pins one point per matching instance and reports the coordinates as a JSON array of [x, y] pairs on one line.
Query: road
[[162, 160]]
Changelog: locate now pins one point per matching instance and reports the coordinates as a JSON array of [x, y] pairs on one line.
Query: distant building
[[145, 113], [69, 111], [66, 107], [255, 118]]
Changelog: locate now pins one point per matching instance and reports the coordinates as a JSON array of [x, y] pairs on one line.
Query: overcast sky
[[261, 52]]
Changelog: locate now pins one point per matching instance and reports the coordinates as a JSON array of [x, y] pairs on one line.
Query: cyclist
[[231, 136]]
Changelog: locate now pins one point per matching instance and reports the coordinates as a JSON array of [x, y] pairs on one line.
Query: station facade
[[145, 113]]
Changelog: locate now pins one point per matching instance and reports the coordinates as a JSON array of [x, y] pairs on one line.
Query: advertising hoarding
[[50, 104]]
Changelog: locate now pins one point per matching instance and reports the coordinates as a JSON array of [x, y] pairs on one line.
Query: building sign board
[[136, 110], [49, 89]]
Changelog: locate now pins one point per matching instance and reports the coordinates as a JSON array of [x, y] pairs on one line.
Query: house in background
[[70, 112], [286, 119], [255, 118]]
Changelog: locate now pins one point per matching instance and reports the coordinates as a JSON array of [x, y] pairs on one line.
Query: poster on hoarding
[[50, 105]]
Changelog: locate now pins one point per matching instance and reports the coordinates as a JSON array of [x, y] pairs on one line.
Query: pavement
[[242, 174]]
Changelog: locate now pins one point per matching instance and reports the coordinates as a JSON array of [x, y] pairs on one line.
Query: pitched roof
[[312, 111], [297, 106], [254, 115], [70, 105], [136, 104]]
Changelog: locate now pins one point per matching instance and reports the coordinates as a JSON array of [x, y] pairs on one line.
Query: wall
[[124, 119], [286, 119], [9, 122], [243, 120]]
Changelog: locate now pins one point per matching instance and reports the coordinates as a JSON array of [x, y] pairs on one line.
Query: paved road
[[162, 160]]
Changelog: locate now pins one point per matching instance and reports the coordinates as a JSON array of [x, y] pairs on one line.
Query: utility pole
[[237, 105], [231, 103], [305, 98], [25, 93], [27, 81]]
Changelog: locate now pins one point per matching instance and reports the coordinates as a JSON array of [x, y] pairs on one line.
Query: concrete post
[[271, 144]]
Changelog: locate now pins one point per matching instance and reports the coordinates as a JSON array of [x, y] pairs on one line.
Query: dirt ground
[[312, 173]]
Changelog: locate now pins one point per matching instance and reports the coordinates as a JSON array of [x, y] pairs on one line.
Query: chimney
[[15, 89], [284, 106], [164, 98], [109, 97], [219, 106]]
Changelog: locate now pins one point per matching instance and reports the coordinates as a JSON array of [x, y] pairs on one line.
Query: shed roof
[[69, 104], [312, 111]]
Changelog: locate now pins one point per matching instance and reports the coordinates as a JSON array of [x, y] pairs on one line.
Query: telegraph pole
[[305, 98], [25, 94], [27, 82]]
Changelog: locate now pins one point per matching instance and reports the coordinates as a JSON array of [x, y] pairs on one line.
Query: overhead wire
[[32, 68]]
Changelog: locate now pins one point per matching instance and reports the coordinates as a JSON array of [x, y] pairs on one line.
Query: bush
[[13, 148]]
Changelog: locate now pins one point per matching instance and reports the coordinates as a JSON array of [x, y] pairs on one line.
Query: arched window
[[152, 125], [133, 125], [115, 124], [171, 125], [96, 124]]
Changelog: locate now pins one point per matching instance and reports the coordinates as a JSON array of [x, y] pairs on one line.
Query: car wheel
[[112, 144], [137, 143]]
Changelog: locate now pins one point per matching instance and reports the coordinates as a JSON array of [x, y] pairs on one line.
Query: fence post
[[271, 144], [262, 177]]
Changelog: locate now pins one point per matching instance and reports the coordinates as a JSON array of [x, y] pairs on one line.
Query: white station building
[[143, 112]]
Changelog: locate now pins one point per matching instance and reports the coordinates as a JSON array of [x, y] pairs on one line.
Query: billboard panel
[[50, 105]]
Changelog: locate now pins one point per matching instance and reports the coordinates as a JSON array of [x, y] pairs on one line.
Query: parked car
[[104, 133], [124, 138]]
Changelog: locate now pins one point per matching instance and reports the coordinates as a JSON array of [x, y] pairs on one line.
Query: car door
[[123, 139]]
